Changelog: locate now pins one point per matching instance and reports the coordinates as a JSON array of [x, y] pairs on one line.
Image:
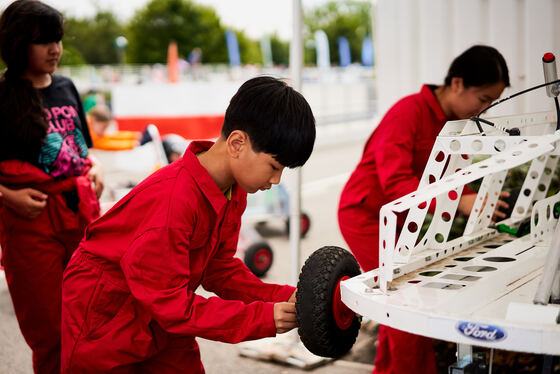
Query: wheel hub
[[343, 316], [262, 258]]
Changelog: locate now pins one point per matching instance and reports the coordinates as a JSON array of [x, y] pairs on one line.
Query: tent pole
[[296, 65]]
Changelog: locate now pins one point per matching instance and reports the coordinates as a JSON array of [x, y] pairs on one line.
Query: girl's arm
[[96, 175]]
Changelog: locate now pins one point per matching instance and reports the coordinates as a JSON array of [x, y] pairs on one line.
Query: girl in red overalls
[[46, 190], [391, 166]]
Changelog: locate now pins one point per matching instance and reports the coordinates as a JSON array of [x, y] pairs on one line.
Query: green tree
[[94, 38], [70, 55], [249, 49], [351, 19], [280, 51], [189, 24]]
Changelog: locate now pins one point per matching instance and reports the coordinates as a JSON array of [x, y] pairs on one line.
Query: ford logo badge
[[486, 333]]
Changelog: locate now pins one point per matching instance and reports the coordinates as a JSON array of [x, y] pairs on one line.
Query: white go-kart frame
[[484, 288]]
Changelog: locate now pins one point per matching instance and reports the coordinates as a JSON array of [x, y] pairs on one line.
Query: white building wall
[[416, 41]]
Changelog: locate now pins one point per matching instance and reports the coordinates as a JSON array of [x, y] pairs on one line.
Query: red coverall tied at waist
[[129, 291], [16, 174], [35, 252]]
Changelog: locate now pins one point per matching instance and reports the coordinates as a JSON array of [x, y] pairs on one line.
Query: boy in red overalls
[[129, 301]]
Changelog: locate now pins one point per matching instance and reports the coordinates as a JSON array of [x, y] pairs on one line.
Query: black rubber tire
[[317, 282], [252, 261], [305, 225]]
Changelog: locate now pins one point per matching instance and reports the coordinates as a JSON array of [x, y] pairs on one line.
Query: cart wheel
[[305, 224], [258, 258], [326, 326]]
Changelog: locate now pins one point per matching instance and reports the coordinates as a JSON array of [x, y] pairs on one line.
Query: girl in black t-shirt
[[48, 185]]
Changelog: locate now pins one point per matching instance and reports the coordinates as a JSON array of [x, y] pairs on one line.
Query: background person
[[392, 164], [92, 99], [100, 120], [174, 146]]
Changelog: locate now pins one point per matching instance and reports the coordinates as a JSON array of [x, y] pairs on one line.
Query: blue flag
[[367, 51], [233, 49], [344, 51]]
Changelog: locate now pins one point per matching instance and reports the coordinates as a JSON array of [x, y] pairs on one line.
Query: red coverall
[[392, 164], [35, 252], [129, 302]]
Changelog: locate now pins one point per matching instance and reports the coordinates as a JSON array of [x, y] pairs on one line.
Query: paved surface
[[337, 151]]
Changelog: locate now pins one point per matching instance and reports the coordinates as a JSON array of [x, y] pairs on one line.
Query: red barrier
[[189, 127]]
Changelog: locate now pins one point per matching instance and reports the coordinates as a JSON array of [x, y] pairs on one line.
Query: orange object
[[118, 141], [172, 63]]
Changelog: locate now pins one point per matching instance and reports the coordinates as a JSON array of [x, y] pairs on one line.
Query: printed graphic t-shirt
[[67, 141]]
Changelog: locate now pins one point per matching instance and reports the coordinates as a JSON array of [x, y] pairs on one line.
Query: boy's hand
[[292, 298], [285, 316]]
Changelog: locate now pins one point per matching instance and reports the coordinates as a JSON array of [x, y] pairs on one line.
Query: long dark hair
[[23, 22], [479, 65]]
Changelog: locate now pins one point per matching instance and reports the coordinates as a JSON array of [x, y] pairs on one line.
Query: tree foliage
[[70, 55], [248, 49], [92, 40], [192, 25], [280, 51], [189, 24], [351, 19]]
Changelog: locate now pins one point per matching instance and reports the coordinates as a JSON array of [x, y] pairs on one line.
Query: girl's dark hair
[[479, 65], [24, 22], [276, 117]]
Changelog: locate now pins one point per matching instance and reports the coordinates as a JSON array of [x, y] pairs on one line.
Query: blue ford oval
[[486, 333]]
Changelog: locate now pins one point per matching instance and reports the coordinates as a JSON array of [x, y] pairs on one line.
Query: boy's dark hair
[[479, 65], [276, 117], [24, 22]]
